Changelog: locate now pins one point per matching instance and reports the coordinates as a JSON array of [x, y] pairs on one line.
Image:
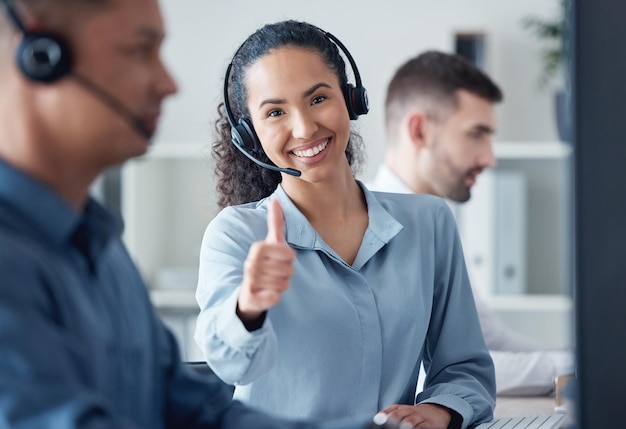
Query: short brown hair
[[432, 80]]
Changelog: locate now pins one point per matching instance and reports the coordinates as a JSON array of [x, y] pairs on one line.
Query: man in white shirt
[[439, 121]]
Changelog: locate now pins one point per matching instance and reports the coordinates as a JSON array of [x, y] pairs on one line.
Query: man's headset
[[242, 132], [44, 57]]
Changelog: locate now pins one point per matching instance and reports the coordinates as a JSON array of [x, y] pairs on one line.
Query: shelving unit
[[528, 151], [544, 309], [166, 203]]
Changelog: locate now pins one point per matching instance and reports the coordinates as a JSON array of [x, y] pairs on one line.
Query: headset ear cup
[[244, 136], [239, 137], [360, 100], [43, 57], [356, 101]]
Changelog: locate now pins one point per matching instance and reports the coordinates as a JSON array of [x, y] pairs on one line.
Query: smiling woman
[[319, 298], [237, 173]]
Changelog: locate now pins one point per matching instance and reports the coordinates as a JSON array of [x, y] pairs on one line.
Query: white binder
[[510, 233], [475, 219], [493, 229]]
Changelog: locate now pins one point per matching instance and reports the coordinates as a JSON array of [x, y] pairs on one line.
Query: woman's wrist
[[251, 321]]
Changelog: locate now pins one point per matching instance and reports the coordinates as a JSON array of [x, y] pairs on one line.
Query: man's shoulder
[[14, 230], [21, 259], [16, 243], [26, 253]]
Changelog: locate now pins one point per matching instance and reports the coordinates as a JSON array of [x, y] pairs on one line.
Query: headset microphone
[[290, 171], [114, 104], [45, 57]]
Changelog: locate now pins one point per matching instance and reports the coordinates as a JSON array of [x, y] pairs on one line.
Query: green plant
[[550, 31]]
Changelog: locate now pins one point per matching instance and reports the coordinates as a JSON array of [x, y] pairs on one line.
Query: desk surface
[[512, 406]]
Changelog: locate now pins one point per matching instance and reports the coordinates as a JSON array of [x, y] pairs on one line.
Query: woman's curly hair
[[240, 180]]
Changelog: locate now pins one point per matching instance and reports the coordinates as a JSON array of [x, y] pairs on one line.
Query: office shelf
[[174, 299], [532, 150], [543, 306]]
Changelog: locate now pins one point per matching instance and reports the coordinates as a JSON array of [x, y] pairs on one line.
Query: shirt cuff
[[231, 329]]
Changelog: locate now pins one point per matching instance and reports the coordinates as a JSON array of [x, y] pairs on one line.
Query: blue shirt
[[80, 343], [349, 339]]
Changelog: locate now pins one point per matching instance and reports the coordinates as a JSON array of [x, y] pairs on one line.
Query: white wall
[[204, 34]]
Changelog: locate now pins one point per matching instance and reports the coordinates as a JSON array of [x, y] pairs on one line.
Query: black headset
[[242, 132], [45, 57], [41, 56]]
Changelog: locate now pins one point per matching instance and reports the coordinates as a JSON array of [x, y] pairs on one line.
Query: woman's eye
[[274, 113], [318, 99]]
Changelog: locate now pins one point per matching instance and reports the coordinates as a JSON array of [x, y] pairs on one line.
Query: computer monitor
[[599, 106]]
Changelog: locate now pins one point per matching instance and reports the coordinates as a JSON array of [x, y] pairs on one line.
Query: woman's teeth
[[311, 151]]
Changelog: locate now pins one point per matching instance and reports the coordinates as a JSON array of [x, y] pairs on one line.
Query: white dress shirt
[[523, 366]]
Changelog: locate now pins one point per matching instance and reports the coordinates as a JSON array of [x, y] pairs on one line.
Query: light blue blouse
[[348, 339]]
